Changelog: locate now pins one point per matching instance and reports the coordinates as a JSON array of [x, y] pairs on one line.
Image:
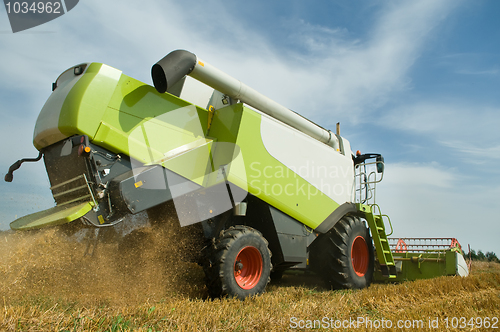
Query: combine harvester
[[270, 189]]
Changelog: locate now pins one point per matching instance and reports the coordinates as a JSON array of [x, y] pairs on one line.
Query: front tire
[[238, 263], [344, 257]]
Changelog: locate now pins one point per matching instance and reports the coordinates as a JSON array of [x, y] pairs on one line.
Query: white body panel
[[322, 166], [462, 269]]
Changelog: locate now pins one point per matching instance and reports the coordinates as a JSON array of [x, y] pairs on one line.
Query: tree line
[[484, 257]]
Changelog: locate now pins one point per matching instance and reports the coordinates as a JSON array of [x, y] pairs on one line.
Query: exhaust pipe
[[177, 64]]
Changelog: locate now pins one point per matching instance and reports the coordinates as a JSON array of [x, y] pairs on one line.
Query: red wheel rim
[[248, 267], [359, 256]]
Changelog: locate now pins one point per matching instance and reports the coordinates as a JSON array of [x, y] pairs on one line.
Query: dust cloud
[[129, 265]]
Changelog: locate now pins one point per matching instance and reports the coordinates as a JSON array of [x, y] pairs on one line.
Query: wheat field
[[48, 285]]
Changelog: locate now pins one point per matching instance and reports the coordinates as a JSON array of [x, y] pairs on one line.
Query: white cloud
[[338, 76], [489, 71], [331, 76], [471, 63], [411, 175], [347, 78], [475, 152], [468, 131], [429, 200], [371, 72]]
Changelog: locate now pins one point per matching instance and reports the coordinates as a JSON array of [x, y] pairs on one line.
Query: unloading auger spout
[[177, 64]]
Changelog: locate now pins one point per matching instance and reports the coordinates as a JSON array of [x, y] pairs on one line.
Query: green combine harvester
[[271, 190]]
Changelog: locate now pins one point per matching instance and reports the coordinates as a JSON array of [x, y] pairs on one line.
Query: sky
[[417, 81]]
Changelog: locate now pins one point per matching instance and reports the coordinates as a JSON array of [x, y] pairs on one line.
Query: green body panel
[[103, 97], [129, 117], [153, 141], [77, 105], [240, 125], [413, 266], [148, 126], [86, 103], [116, 111], [399, 266], [57, 215]]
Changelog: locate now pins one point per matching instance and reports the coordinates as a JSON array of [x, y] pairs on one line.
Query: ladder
[[379, 237]]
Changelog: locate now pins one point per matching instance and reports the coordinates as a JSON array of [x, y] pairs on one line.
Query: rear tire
[[238, 263], [344, 257]]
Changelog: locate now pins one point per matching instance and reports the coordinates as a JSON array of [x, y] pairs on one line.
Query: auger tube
[[177, 64]]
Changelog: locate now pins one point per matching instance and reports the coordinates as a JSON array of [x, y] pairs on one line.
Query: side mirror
[[380, 164]]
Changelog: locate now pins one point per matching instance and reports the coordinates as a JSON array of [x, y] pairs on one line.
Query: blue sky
[[417, 81]]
